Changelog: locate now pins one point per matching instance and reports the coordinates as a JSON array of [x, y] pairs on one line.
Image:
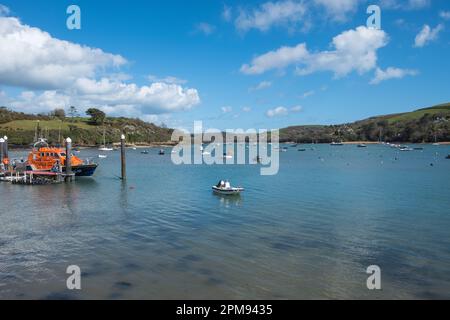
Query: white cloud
[[427, 34], [32, 58], [338, 9], [286, 13], [168, 79], [4, 10], [276, 112], [296, 109], [262, 85], [205, 28], [246, 109], [445, 15], [63, 73], [391, 73], [354, 50], [418, 4], [282, 111], [404, 4], [277, 59], [226, 13], [226, 109], [308, 93], [113, 97], [157, 97]]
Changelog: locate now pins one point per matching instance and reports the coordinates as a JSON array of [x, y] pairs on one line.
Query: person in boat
[[227, 185], [55, 167], [221, 184]]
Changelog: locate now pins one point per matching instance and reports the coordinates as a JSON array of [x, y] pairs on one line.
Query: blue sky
[[232, 64]]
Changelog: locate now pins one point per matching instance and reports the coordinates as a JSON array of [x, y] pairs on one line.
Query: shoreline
[[169, 144]]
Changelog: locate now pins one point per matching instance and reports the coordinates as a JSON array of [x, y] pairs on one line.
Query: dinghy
[[224, 187]]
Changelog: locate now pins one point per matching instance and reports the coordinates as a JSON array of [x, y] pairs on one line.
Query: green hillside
[[21, 129], [422, 125]]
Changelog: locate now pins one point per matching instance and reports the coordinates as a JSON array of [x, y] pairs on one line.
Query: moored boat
[[45, 158]]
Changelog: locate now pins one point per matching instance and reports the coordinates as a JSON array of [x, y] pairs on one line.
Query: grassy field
[[29, 125], [416, 115]]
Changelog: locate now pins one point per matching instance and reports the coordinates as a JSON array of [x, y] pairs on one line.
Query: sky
[[231, 64]]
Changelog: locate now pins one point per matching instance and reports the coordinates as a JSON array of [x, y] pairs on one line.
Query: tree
[[59, 113], [97, 116], [73, 112]]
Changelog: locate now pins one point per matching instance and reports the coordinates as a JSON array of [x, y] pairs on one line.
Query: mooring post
[[122, 157], [5, 153], [68, 159], [2, 142]]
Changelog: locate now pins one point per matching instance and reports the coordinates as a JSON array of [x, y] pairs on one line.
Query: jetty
[[35, 177]]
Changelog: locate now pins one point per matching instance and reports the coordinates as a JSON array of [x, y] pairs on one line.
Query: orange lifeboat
[[45, 158]]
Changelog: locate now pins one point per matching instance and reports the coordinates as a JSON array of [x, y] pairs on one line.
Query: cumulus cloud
[[205, 28], [276, 112], [227, 109], [391, 73], [63, 73], [445, 15], [168, 79], [4, 10], [427, 35], [286, 13], [156, 97], [354, 50], [338, 9], [32, 58], [262, 85], [282, 111], [276, 59]]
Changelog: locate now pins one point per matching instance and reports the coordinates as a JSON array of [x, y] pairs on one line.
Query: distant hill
[[21, 129], [422, 125]]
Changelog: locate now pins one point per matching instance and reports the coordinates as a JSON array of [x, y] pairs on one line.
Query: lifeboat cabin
[[45, 158]]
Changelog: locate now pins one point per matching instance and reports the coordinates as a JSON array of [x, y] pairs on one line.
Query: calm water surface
[[308, 232]]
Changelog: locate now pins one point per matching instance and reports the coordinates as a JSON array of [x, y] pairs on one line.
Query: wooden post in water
[[2, 142], [5, 153], [68, 159], [122, 157]]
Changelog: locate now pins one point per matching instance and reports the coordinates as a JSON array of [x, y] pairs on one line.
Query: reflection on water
[[228, 201], [308, 232]]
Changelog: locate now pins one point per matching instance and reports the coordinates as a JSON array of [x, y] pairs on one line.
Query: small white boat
[[105, 149], [102, 156], [226, 189]]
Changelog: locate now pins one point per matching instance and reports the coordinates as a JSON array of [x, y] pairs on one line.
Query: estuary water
[[308, 232]]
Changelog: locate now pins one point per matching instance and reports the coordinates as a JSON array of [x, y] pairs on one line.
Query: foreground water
[[309, 232]]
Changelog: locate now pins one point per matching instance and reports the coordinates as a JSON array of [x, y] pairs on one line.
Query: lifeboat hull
[[84, 170]]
